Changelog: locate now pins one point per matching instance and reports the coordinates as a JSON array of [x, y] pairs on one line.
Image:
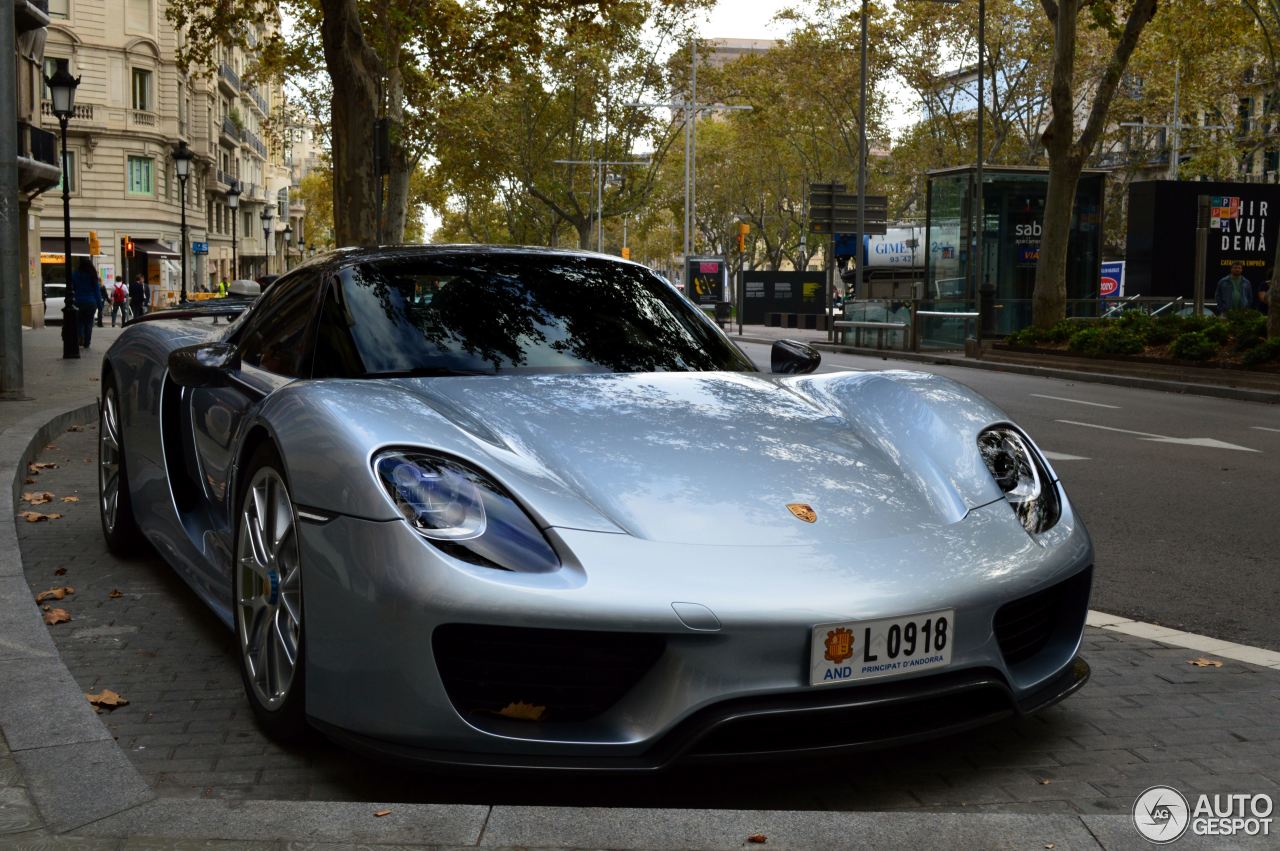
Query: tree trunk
[[396, 210], [584, 228], [355, 71], [1049, 302]]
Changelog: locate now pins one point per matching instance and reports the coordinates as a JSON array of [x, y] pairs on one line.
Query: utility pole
[[862, 171], [599, 187], [10, 230]]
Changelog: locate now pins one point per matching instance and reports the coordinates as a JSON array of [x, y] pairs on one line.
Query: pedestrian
[[87, 291], [1233, 291], [1262, 296], [102, 305], [222, 288], [137, 297], [119, 297]]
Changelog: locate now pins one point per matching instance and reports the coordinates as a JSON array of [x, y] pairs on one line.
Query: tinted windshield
[[486, 313]]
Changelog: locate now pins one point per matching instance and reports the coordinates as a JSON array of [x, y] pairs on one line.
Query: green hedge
[[1133, 331]]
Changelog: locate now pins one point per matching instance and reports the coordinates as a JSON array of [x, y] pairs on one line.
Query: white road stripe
[[1206, 442], [1187, 640], [1076, 401], [1062, 456], [1264, 428]]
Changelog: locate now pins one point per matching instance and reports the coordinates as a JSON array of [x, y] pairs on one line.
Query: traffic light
[[743, 230], [626, 253], [95, 247], [128, 246]]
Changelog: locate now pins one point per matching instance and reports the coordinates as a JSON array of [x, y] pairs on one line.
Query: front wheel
[[115, 505], [267, 589]]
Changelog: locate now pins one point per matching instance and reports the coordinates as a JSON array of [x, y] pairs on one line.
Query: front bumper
[[376, 593], [784, 726]]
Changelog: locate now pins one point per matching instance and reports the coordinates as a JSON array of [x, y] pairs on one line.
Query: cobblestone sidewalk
[[1148, 717]]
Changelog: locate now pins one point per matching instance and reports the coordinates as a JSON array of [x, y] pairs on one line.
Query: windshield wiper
[[427, 372]]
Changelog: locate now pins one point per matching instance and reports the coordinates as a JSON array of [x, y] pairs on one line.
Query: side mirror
[[203, 365], [790, 357]]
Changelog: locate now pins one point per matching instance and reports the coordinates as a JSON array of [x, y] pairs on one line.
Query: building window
[[140, 176], [137, 15], [60, 9], [71, 172], [142, 89]]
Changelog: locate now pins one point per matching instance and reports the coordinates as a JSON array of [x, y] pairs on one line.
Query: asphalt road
[[1181, 493]]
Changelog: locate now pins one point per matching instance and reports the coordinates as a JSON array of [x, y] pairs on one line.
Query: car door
[[275, 348]]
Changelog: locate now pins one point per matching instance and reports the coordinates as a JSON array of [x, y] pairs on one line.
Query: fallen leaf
[[37, 497], [71, 499], [1202, 662], [36, 516], [37, 466], [115, 594], [28, 481], [54, 616], [52, 446], [55, 593], [1048, 845], [758, 838], [46, 608], [381, 813], [1044, 781], [523, 711], [76, 428], [106, 699], [62, 571]]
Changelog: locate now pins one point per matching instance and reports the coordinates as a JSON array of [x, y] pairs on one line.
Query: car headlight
[[1022, 476], [463, 512]]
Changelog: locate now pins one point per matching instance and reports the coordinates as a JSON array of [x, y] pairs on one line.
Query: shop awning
[[154, 249], [51, 248]]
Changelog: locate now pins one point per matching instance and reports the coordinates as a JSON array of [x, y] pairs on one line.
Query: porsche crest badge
[[839, 645], [803, 512]]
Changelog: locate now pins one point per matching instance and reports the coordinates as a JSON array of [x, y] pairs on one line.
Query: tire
[[115, 504], [266, 599]]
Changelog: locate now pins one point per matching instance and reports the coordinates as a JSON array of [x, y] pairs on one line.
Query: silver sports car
[[522, 507]]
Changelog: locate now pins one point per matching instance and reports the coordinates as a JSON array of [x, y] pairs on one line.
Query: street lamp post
[[182, 165], [267, 215], [62, 88], [288, 240], [233, 204]]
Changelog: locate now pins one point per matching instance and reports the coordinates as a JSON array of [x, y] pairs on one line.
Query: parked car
[[552, 516], [55, 296]]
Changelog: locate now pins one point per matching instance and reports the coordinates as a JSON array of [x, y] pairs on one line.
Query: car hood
[[718, 458]]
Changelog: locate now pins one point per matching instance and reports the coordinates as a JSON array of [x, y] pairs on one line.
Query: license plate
[[864, 650]]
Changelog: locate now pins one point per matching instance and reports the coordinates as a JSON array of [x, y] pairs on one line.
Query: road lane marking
[[1264, 428], [1062, 456], [1076, 401], [1186, 640], [1206, 442]]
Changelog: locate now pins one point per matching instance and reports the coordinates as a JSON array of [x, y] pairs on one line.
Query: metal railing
[[254, 142], [258, 99], [225, 177], [228, 73], [230, 129], [42, 146]]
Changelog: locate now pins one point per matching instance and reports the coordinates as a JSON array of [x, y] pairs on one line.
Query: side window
[[277, 336], [336, 352]]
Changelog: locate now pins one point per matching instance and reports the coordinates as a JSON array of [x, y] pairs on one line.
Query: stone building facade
[[133, 107]]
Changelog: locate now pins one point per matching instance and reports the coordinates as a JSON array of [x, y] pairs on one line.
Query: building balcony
[[80, 112], [228, 77], [256, 99], [230, 132], [30, 14], [252, 142], [143, 118], [39, 165]]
